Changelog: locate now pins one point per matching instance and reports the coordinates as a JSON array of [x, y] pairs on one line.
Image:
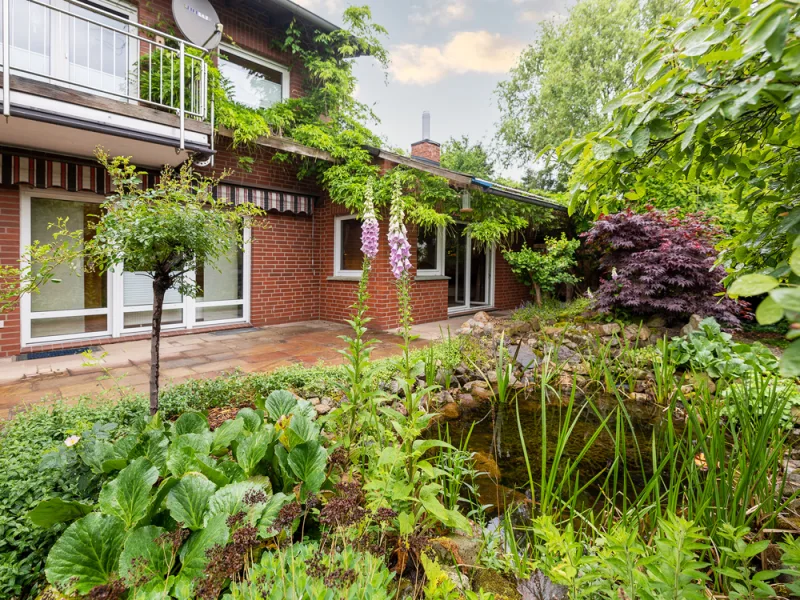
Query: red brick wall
[[9, 255], [508, 292]]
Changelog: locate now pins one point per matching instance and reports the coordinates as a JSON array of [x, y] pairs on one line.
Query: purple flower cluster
[[399, 248], [369, 227]]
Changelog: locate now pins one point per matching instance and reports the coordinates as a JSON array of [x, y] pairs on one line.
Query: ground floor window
[[347, 255], [469, 267], [84, 304]]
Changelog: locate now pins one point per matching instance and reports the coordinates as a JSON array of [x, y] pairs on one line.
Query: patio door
[[469, 267]]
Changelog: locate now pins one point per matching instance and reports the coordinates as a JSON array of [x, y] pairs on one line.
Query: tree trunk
[[538, 292], [159, 290]]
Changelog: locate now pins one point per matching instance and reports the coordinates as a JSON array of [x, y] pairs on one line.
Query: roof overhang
[[288, 10]]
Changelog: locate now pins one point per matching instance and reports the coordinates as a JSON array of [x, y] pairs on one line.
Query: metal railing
[[81, 46]]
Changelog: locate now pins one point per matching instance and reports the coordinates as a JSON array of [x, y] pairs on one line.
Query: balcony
[[77, 75]]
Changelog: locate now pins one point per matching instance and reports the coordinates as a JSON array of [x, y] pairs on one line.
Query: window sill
[[345, 278], [431, 278]]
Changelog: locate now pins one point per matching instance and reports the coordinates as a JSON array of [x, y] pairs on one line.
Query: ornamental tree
[[660, 263], [166, 232], [543, 271]]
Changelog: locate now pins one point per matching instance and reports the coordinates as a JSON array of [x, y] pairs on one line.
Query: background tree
[[543, 271], [167, 232], [461, 155], [563, 80]]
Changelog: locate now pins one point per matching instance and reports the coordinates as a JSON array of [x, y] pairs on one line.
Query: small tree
[[166, 232], [545, 270], [661, 263]]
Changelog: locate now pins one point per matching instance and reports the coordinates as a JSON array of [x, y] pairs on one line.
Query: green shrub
[[543, 271], [305, 571], [712, 350], [187, 505]]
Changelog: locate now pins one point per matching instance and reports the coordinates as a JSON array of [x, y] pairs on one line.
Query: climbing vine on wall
[[331, 119]]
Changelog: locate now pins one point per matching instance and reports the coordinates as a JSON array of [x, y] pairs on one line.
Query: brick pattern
[[9, 255], [427, 149], [508, 292]]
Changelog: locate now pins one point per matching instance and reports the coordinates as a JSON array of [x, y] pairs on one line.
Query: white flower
[[72, 440]]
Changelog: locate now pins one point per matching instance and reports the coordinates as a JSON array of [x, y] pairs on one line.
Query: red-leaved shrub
[[658, 263]]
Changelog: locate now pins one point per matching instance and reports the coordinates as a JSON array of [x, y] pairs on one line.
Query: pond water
[[494, 434]]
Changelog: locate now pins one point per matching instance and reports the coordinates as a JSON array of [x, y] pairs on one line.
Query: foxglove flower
[[369, 226], [400, 249]]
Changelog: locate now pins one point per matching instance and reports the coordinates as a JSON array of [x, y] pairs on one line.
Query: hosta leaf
[[145, 559], [187, 502], [307, 462], [199, 442], [128, 496], [87, 554], [300, 430], [230, 500], [226, 433], [194, 553], [49, 512], [753, 285], [180, 460], [279, 403], [190, 422]]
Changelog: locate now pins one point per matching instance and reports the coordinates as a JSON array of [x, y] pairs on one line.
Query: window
[[430, 252], [254, 81], [75, 303], [348, 257]]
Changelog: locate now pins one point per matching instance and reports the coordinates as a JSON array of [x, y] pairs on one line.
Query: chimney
[[426, 149]]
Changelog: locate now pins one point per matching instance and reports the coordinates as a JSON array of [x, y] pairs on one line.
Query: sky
[[447, 57]]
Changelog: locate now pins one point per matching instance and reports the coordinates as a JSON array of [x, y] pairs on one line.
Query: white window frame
[[440, 255], [115, 309], [337, 248], [27, 193], [229, 49], [469, 306]]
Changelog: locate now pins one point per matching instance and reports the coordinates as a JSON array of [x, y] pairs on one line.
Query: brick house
[[77, 80]]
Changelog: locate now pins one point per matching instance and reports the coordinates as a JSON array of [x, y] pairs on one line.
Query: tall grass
[[715, 472]]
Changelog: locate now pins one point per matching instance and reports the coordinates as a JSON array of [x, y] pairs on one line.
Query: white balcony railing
[[80, 46]]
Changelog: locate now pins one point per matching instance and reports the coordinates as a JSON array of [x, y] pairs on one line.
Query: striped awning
[[47, 173], [266, 199], [74, 177]]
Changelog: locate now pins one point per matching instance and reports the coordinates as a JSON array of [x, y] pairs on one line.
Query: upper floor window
[[254, 81]]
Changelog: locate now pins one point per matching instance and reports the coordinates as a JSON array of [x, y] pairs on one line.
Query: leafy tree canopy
[[563, 80], [461, 155], [716, 97]]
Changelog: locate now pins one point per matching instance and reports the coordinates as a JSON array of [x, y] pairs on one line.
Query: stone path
[[199, 355]]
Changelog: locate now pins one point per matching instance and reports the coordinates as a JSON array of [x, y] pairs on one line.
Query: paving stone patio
[[200, 355]]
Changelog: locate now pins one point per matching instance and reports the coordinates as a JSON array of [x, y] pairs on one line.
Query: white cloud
[[329, 7], [466, 52], [440, 11]]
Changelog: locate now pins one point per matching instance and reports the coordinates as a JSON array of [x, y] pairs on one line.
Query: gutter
[[497, 189]]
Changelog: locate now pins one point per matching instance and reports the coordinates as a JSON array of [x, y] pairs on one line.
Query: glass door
[[469, 268]]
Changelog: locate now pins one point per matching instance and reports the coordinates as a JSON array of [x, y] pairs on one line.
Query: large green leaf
[[95, 453], [194, 553], [199, 442], [87, 554], [230, 500], [128, 496], [252, 420], [190, 422], [301, 429], [187, 502], [251, 450], [279, 403], [146, 558], [753, 285], [152, 445], [768, 312], [49, 512], [787, 298], [226, 433], [181, 460], [307, 462], [790, 361], [270, 513]]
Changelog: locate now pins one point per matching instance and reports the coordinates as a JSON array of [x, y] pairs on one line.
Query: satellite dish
[[198, 22]]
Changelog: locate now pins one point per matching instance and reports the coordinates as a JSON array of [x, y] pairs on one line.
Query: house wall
[[9, 255]]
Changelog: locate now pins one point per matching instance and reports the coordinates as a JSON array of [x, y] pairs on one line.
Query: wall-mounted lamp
[[466, 202]]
